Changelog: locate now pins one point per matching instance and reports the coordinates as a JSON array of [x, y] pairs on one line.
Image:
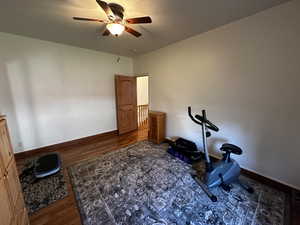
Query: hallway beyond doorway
[[142, 101]]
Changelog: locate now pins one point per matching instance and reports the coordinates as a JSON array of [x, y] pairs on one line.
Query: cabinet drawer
[[20, 205], [23, 218], [13, 183], [6, 153], [5, 207], [2, 169]]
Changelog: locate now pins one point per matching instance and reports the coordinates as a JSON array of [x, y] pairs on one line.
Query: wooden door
[[5, 146], [126, 101], [5, 207]]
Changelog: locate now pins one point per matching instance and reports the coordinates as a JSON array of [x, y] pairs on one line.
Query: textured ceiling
[[173, 20]]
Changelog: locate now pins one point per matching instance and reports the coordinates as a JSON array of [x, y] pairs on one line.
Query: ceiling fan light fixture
[[115, 23], [115, 28]]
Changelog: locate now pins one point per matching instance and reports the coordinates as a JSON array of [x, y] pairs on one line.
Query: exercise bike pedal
[[213, 198], [226, 187]]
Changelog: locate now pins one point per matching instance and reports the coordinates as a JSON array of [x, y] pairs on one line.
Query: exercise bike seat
[[230, 148]]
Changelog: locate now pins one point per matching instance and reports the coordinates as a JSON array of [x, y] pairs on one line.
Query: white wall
[[142, 90], [7, 107], [54, 93], [247, 76]]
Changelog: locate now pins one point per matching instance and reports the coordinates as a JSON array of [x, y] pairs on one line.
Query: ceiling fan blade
[[106, 32], [88, 19], [132, 31], [145, 19], [106, 9]]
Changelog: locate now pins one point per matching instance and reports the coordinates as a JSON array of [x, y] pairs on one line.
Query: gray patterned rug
[[142, 184], [43, 192]]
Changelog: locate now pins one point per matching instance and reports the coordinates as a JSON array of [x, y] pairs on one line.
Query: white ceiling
[[173, 20]]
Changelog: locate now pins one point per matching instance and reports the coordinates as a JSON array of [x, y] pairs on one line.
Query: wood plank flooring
[[65, 211]]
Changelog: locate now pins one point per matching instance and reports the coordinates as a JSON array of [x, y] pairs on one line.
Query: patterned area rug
[[142, 184], [43, 192]]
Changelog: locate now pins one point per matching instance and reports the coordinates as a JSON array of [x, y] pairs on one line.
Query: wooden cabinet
[[12, 207], [5, 207], [13, 183], [157, 126], [5, 146], [23, 218]]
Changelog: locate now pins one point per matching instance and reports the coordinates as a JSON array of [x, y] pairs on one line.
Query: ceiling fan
[[115, 23]]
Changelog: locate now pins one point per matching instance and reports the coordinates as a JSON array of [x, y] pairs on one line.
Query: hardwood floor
[[65, 211]]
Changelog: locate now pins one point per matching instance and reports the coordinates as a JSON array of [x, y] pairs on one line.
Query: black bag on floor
[[185, 150]]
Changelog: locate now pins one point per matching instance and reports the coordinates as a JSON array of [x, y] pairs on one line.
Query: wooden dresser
[[12, 207], [157, 126]]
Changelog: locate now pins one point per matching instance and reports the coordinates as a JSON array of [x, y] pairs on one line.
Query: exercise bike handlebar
[[192, 117], [202, 119]]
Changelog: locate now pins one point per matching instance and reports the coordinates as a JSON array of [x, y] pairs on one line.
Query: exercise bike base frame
[[212, 197]]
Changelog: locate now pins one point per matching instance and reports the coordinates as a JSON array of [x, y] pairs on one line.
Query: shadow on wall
[[20, 84], [232, 130], [214, 145], [7, 107], [18, 89], [186, 128]]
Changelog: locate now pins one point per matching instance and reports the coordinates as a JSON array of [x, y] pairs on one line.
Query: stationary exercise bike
[[221, 173]]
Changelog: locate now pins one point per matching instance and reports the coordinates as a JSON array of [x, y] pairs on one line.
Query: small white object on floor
[[128, 212], [208, 214]]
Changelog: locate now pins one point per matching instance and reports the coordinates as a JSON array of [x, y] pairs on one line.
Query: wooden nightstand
[[157, 127]]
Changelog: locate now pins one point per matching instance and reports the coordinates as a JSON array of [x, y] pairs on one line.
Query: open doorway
[[132, 104], [142, 85]]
